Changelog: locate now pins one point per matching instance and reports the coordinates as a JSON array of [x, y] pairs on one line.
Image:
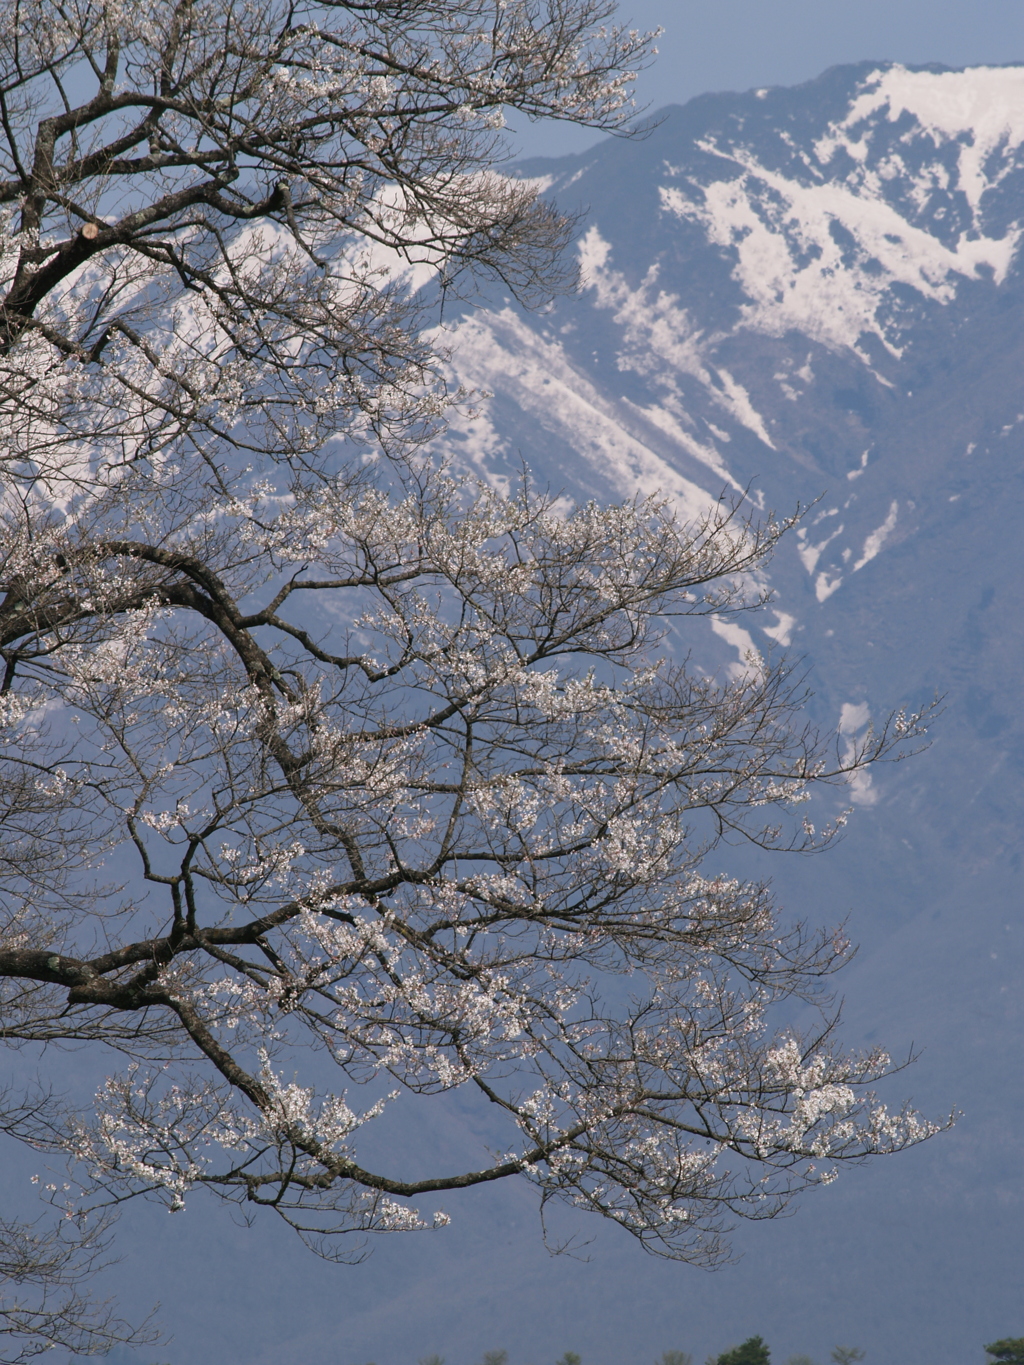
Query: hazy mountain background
[[816, 294]]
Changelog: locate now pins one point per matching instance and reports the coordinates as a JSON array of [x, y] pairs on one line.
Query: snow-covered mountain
[[783, 285], [813, 294], [816, 295]]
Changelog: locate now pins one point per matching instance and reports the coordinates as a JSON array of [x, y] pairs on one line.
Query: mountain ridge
[[746, 320]]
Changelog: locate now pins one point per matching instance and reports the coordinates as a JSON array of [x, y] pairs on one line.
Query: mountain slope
[[814, 294], [818, 295]]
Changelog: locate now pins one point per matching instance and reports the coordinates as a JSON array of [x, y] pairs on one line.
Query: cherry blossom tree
[[43, 1305], [326, 773]]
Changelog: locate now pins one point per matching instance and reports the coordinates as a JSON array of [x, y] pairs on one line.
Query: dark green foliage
[[1009, 1349], [495, 1358], [847, 1355], [675, 1358], [570, 1358], [752, 1352]]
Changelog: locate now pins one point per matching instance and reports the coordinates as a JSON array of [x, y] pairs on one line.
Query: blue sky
[[736, 44]]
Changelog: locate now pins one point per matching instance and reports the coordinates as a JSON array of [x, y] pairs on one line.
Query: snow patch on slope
[[800, 273], [671, 424], [981, 109], [810, 552], [877, 538], [853, 718], [659, 338], [750, 661], [826, 245], [499, 353], [782, 631]]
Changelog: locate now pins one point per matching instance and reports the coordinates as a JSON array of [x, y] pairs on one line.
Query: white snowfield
[[830, 240], [800, 274], [980, 109]]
